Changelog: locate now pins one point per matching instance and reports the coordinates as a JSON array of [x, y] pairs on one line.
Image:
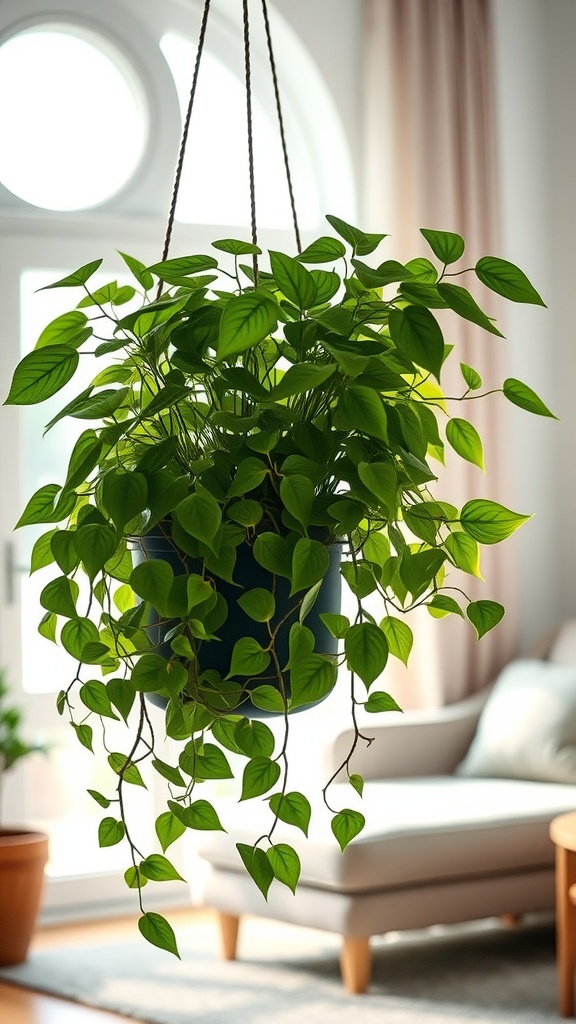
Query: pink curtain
[[430, 162]]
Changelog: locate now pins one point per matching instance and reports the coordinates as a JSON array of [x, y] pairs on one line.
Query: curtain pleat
[[430, 161]]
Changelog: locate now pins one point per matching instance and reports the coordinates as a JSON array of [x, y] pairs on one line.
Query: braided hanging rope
[[184, 140], [248, 77], [249, 125], [281, 124]]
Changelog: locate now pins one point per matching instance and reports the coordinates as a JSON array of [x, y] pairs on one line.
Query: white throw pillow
[[527, 729]]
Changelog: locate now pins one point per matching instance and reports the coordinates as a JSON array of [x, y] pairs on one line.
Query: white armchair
[[438, 846]]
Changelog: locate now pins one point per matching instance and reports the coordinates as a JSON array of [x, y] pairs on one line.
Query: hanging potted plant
[[23, 852], [255, 437]]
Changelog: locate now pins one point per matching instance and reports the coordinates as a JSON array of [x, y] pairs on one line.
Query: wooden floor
[[22, 1006]]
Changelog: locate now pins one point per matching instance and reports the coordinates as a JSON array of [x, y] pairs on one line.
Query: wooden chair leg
[[228, 925], [565, 929], [355, 963]]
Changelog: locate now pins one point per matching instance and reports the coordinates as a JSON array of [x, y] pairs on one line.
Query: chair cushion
[[418, 830], [527, 728]]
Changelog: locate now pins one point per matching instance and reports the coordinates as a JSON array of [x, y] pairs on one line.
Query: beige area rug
[[482, 973]]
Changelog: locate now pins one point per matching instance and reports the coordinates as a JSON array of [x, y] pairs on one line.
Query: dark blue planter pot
[[248, 574]]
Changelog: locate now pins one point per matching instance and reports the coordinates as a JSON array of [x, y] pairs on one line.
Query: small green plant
[[13, 747], [268, 418]]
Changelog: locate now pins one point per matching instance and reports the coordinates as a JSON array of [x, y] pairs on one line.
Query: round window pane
[[75, 127]]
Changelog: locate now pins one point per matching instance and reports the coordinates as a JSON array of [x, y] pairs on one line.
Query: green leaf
[[111, 832], [250, 474], [484, 615], [257, 865], [168, 829], [310, 563], [159, 932], [124, 495], [101, 800], [359, 577], [442, 605], [297, 493], [381, 479], [159, 869], [128, 771], [267, 698], [399, 637], [246, 320], [471, 376], [489, 522], [200, 515], [200, 815], [79, 277], [85, 734], [311, 679], [388, 272], [462, 302], [258, 603], [523, 396], [42, 373], [122, 695], [95, 545], [152, 581], [254, 738], [379, 701], [357, 783], [301, 378], [285, 864], [246, 512], [366, 650], [323, 250], [259, 775], [309, 600], [416, 333], [175, 270], [346, 825], [293, 808], [84, 458], [446, 245], [42, 553], [167, 771], [63, 548], [464, 552], [47, 626], [47, 505], [210, 762], [466, 441], [134, 878], [68, 329], [337, 625], [94, 696], [293, 280], [273, 553], [248, 658], [76, 634], [236, 247], [143, 276], [507, 280], [362, 243], [360, 408], [418, 571]]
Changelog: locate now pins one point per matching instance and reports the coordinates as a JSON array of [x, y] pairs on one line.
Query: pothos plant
[[269, 418]]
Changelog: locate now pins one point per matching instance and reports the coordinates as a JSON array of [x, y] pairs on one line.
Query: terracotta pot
[[23, 856]]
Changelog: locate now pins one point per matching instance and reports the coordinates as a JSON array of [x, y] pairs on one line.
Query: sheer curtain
[[430, 162]]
